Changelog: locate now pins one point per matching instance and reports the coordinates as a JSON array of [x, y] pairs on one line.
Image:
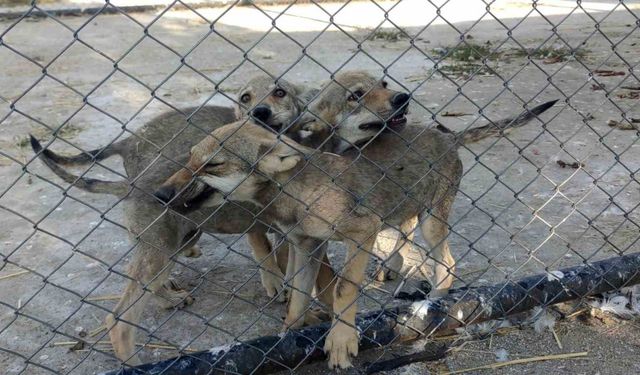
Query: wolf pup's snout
[[400, 100], [165, 193], [261, 113]]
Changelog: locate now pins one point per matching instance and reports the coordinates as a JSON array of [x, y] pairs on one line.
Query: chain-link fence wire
[[160, 234]]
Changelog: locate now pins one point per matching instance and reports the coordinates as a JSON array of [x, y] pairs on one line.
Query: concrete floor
[[545, 217]]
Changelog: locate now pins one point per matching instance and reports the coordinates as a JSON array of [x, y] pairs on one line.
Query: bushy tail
[[53, 161], [504, 125]]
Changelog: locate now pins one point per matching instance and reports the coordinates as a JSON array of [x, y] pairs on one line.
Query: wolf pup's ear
[[307, 95], [279, 156]]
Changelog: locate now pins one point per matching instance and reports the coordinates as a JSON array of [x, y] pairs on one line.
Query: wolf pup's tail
[[53, 161], [504, 125]]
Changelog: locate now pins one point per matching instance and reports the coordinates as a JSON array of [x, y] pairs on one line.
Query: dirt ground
[[518, 211]]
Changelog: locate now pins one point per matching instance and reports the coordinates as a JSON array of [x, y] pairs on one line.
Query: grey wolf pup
[[150, 156], [315, 197], [350, 114]]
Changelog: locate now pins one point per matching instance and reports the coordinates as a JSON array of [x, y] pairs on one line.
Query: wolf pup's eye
[[355, 96], [245, 98], [212, 166], [279, 93]]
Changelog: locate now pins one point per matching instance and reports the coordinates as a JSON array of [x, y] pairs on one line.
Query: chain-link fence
[[377, 173]]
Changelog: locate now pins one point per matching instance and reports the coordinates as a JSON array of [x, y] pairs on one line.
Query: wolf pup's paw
[[192, 252], [340, 345], [171, 296], [273, 285]]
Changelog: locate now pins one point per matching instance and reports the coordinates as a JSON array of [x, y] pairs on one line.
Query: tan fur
[[337, 125], [335, 115], [313, 209], [393, 183], [159, 235], [339, 121]]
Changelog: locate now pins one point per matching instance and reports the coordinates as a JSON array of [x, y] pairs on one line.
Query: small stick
[[579, 312], [150, 345], [496, 365], [490, 341], [168, 347], [13, 275], [555, 336], [65, 343], [104, 298], [97, 330], [96, 318]]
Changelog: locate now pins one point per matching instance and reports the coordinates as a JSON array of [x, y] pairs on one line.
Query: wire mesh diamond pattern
[[219, 187]]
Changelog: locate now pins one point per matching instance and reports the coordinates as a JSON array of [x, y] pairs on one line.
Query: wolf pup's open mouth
[[397, 122]]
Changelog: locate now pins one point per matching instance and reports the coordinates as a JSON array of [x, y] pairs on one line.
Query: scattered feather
[[616, 304], [542, 319], [554, 275], [502, 355], [421, 308], [419, 345], [633, 293]]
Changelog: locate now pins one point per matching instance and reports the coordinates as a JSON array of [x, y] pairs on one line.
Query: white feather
[[421, 308], [617, 304], [634, 297], [542, 319], [554, 275], [502, 355]]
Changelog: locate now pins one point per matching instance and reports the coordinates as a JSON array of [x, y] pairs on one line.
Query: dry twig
[[104, 298], [104, 342], [13, 275], [579, 312], [520, 361], [555, 336], [97, 330]]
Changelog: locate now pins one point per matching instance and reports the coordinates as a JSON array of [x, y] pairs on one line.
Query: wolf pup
[[315, 197], [356, 114], [150, 156], [349, 113]]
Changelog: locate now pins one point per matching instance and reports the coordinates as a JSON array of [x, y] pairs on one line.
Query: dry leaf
[[608, 73], [574, 165], [553, 60], [629, 95], [624, 125], [454, 114]]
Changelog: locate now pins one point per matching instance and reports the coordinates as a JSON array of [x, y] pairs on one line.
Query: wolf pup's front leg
[[342, 341]]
